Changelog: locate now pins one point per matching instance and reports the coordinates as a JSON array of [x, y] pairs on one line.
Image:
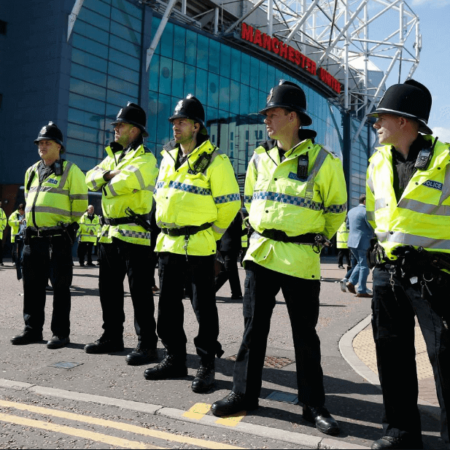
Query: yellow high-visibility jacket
[[342, 236], [3, 223], [14, 223], [421, 217], [132, 188], [89, 229], [185, 199], [244, 238], [278, 200], [59, 199]]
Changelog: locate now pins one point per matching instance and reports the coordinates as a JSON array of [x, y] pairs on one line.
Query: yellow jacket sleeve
[[3, 220], [225, 191], [250, 181], [370, 197], [78, 193], [333, 189], [13, 220], [94, 178], [138, 176]]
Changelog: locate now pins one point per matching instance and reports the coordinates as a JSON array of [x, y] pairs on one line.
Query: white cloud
[[442, 133], [430, 3]]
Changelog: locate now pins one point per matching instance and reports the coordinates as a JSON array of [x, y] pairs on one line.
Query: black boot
[[406, 442], [104, 345], [169, 367], [322, 419], [56, 342], [141, 355], [232, 404], [204, 380], [26, 338]]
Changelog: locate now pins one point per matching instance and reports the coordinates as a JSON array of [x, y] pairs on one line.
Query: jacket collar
[[303, 134]]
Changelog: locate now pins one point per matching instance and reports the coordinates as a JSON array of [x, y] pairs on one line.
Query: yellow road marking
[[83, 434], [117, 425], [233, 420], [198, 411]]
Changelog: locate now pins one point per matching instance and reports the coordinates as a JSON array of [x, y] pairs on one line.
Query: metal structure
[[360, 42]]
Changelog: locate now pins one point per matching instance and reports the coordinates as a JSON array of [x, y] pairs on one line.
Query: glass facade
[[233, 86]]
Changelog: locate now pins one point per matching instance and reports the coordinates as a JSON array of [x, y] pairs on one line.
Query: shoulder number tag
[[52, 181]]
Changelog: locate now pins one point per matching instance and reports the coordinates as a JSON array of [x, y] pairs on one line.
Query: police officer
[[88, 231], [342, 245], [3, 223], [408, 204], [56, 197], [197, 198], [296, 196], [15, 221], [127, 179]]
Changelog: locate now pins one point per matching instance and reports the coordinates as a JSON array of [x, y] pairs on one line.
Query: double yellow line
[[98, 437]]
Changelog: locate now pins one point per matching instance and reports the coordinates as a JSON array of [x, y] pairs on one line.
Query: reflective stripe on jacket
[[59, 198], [278, 200], [421, 217], [185, 199], [132, 188], [89, 229], [342, 236]]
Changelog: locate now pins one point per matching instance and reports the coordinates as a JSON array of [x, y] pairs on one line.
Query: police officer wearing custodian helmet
[[408, 205], [296, 196], [197, 198], [56, 198], [126, 178]]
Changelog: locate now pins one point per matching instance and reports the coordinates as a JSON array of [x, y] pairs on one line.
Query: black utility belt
[[121, 220], [186, 231], [281, 236], [43, 232]]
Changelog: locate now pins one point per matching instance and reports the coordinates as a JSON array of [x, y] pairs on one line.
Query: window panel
[[191, 48], [86, 104], [126, 33], [87, 118], [98, 6], [254, 72], [85, 133], [88, 60], [167, 41], [189, 80], [155, 25], [152, 117], [92, 32], [202, 51], [154, 73], [124, 60], [165, 76], [123, 72], [254, 103], [245, 100], [83, 148], [178, 79], [245, 69], [271, 82], [123, 86], [235, 65], [90, 46], [234, 97], [84, 73], [120, 99], [93, 18], [163, 131], [125, 46], [214, 56], [224, 94], [201, 85], [225, 61], [126, 20], [87, 89], [128, 8], [179, 44], [213, 90]]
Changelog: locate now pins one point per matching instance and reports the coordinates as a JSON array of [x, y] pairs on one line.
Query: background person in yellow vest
[[3, 223], [56, 197], [14, 221], [295, 193], [197, 198], [342, 245], [88, 231], [408, 205], [127, 179]]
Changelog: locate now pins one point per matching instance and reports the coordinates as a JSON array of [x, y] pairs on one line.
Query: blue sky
[[434, 68]]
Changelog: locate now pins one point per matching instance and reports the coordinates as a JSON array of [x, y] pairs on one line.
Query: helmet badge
[[179, 107]]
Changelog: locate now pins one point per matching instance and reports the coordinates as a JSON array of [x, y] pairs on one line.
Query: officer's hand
[[112, 174]]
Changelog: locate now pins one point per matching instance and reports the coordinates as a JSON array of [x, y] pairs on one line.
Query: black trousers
[[343, 253], [85, 250], [199, 270], [117, 260], [44, 258], [230, 272], [393, 329], [302, 301]]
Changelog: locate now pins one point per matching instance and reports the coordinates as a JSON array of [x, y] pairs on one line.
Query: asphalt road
[[104, 388]]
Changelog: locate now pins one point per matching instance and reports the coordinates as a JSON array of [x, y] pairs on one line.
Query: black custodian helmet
[[134, 115], [289, 96], [51, 133], [189, 108], [411, 100]]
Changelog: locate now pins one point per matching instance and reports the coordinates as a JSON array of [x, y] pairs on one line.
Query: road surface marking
[[116, 425], [82, 434], [198, 411], [233, 420]]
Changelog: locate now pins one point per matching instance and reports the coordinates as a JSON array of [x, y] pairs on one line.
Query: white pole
[[73, 17], [270, 17], [346, 90]]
